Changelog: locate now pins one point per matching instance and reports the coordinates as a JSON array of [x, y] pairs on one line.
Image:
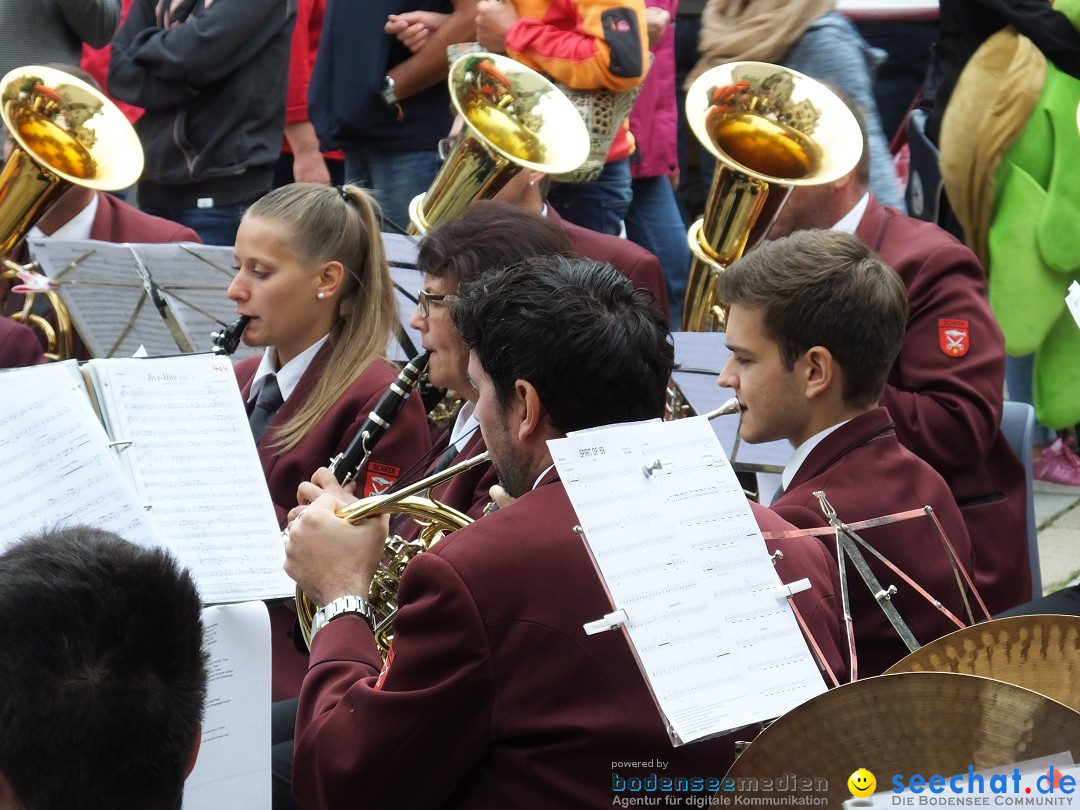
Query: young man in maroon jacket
[[944, 390], [816, 320]]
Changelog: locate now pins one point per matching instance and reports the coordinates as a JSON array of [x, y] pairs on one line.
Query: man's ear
[[528, 411], [194, 753], [817, 371]]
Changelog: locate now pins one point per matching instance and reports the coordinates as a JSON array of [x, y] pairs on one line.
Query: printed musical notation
[[678, 549], [192, 458]]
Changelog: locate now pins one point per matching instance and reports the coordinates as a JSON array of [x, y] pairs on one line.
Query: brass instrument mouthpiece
[[731, 406]]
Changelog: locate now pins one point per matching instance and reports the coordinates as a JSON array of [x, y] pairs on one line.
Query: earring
[[532, 183], [321, 295]]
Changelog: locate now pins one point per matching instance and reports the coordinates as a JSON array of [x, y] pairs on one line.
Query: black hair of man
[[487, 235], [594, 347], [825, 288], [102, 674]]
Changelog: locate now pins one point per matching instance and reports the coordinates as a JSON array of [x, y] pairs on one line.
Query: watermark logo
[[862, 783]]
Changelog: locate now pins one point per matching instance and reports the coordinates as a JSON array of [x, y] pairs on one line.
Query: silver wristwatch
[[388, 91], [339, 607]]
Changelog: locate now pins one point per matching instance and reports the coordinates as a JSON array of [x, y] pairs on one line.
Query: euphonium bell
[[770, 129], [514, 119], [65, 133]]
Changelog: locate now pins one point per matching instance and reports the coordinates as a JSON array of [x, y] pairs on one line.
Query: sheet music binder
[[164, 457], [691, 584]]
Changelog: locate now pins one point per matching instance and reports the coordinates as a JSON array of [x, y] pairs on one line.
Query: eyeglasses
[[426, 299]]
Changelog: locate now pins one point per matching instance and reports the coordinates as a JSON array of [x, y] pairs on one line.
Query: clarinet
[[228, 339], [346, 464]]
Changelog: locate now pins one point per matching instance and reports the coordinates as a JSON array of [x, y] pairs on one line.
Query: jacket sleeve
[[586, 44], [93, 21], [357, 736], [947, 407], [159, 68]]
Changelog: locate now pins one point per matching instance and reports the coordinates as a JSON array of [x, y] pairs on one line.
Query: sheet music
[[194, 280], [679, 551], [233, 768], [105, 295], [706, 351], [192, 458], [55, 464]]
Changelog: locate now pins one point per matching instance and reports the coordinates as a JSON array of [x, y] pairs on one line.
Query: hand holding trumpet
[[328, 557]]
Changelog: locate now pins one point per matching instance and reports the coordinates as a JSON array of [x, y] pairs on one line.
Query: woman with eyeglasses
[[312, 277]]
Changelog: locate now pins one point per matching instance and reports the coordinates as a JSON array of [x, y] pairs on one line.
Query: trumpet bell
[[514, 119]]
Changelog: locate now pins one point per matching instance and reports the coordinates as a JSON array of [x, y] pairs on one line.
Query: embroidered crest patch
[[380, 477], [385, 668], [954, 336]]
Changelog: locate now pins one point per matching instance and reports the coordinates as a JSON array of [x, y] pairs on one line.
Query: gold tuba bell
[[770, 129], [65, 133], [439, 519], [514, 119]]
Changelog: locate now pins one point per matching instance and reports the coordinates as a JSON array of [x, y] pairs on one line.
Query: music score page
[[678, 549], [193, 461]]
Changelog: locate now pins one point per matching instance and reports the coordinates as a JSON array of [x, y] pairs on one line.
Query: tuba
[[770, 129], [414, 501], [514, 119], [65, 133]]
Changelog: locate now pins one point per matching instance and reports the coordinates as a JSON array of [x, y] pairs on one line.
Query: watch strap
[[339, 607]]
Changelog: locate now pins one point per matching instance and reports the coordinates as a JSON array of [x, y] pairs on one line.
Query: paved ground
[[1058, 519]]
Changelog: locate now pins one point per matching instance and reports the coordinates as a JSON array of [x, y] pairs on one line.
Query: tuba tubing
[[65, 133]]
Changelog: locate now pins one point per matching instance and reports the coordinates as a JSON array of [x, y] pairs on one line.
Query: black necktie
[[266, 406], [449, 454]]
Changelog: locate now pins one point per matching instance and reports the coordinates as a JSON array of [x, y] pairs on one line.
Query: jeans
[[654, 222], [599, 205], [394, 177], [215, 226]]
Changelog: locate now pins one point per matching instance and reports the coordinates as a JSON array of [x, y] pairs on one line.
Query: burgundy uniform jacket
[[116, 221], [944, 394], [629, 258], [493, 684], [866, 473], [407, 439], [19, 345]]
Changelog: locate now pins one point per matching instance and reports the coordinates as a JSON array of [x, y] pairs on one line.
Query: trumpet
[[415, 501], [731, 406]]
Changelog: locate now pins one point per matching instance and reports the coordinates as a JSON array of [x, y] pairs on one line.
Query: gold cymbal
[[915, 722], [1038, 652]]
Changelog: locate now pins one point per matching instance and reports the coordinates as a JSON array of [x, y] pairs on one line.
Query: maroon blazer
[[407, 439], [629, 258], [116, 221], [19, 345], [820, 606], [866, 473], [946, 400], [493, 684]]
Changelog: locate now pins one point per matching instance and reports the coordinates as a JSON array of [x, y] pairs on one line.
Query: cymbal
[[908, 723], [1038, 652]]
